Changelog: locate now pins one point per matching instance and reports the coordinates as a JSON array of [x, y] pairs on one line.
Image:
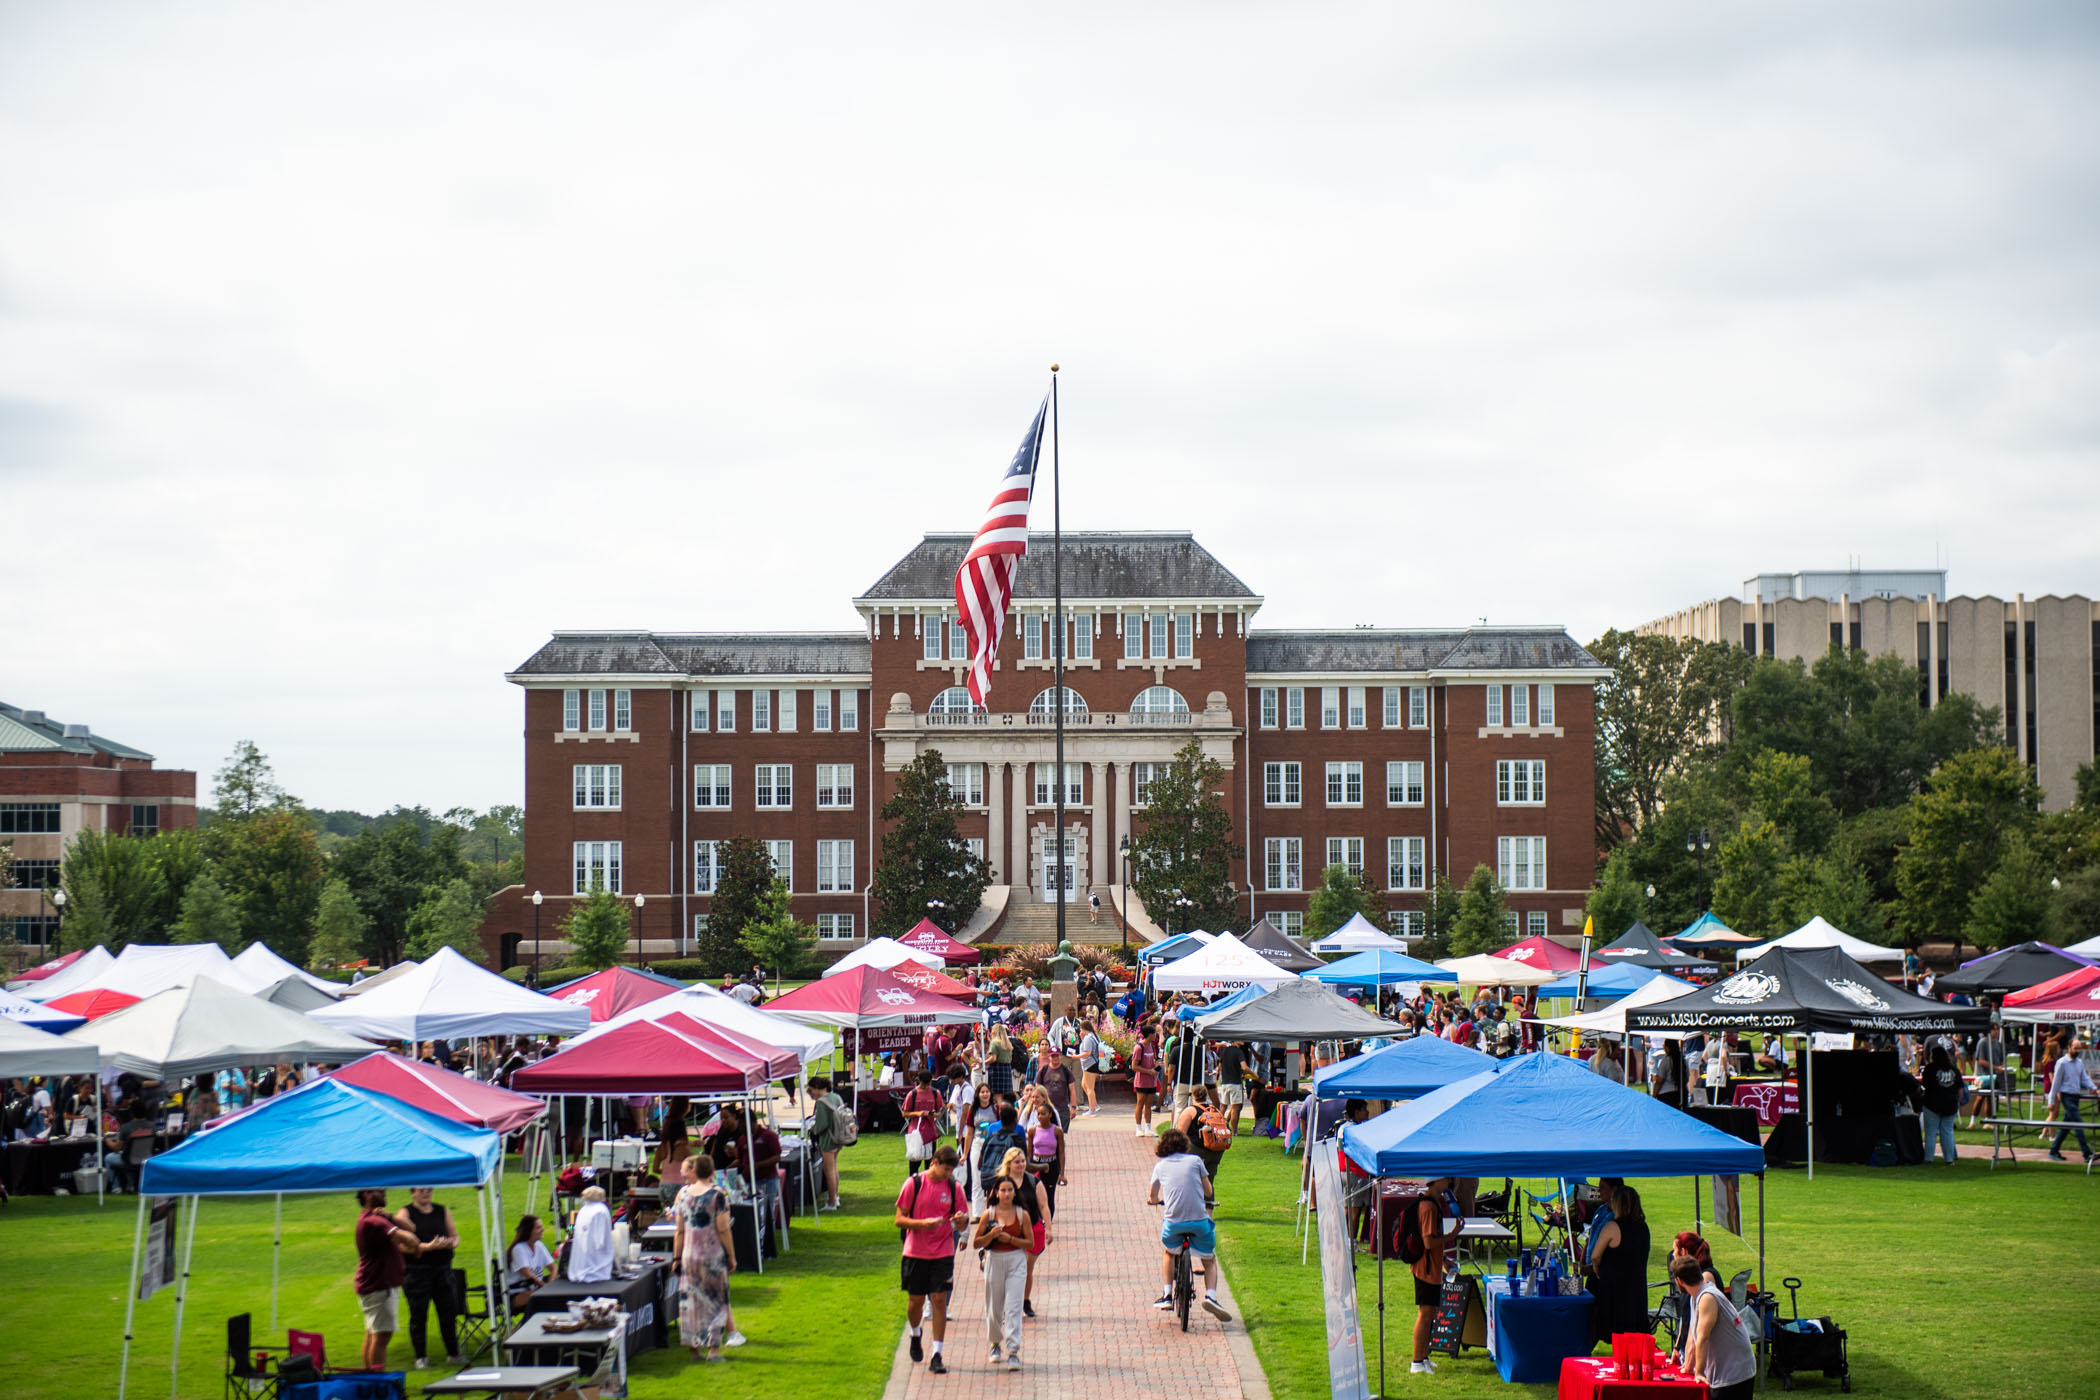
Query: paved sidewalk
[[1096, 1335]]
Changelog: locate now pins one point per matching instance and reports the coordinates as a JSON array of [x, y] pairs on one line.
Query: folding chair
[[1554, 1223], [308, 1344], [1667, 1318], [475, 1324], [247, 1365]]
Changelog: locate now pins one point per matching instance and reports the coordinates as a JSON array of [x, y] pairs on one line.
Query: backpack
[[845, 1128], [992, 1151], [1215, 1130], [1408, 1244], [918, 1179]]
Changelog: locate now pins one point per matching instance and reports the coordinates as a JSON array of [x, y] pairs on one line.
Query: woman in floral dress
[[706, 1254]]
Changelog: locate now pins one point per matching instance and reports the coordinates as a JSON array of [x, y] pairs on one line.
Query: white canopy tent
[[261, 964], [81, 972], [1224, 964], [381, 978], [206, 1026], [1820, 933], [1357, 935], [144, 969], [297, 994], [1612, 1019], [1487, 970], [446, 998], [885, 953], [2090, 948], [25, 1050], [703, 1003]]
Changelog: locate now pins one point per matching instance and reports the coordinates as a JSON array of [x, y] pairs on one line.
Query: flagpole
[[1057, 664]]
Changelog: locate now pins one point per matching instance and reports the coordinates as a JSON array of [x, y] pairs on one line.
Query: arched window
[[955, 700], [1043, 706], [1159, 700]]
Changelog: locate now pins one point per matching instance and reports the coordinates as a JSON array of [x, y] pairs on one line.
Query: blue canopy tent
[[1179, 946], [1404, 1071], [1706, 931], [328, 1136], [30, 1013], [1604, 984], [1223, 1003], [1378, 967], [1544, 1115]]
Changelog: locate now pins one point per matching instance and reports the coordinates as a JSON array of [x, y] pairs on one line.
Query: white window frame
[[707, 866], [1032, 636], [597, 787], [1389, 716], [1045, 780], [836, 928], [1282, 784], [966, 783], [1494, 707], [782, 854], [836, 794], [1160, 626], [1418, 707], [1347, 851], [1330, 707], [623, 711], [761, 712], [1404, 867], [931, 631], [725, 712], [597, 862], [1294, 707], [1082, 636], [1403, 782], [1357, 716], [849, 710], [773, 786], [1520, 707], [820, 711], [700, 707], [572, 711], [712, 780], [1520, 862], [597, 709], [958, 640], [784, 718], [1342, 775], [1133, 636], [1184, 636], [1142, 776], [1535, 923], [1407, 923], [1270, 712], [1520, 782], [1545, 706], [1289, 922], [1283, 863], [834, 867]]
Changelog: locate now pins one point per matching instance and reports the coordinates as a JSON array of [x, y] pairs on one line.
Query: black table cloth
[[650, 1299]]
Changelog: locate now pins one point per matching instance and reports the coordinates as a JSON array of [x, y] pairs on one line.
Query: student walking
[[929, 1209], [1004, 1237]]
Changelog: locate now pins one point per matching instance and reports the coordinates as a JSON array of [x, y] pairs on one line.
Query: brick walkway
[[1096, 1335]]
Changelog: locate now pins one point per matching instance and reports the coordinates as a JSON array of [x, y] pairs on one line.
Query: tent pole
[[758, 1216], [101, 1172], [182, 1293], [1381, 1304], [131, 1294], [1695, 1205], [1806, 1093], [1762, 1341], [276, 1254]]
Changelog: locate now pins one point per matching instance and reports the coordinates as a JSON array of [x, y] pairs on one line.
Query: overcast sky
[[348, 350]]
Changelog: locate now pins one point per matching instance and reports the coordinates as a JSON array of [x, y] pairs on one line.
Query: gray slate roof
[[1426, 649], [31, 731], [1097, 564], [678, 654]]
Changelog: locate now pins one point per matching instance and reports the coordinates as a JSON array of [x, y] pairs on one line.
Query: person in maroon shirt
[[380, 1271]]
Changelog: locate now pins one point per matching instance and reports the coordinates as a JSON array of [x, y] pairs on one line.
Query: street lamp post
[[1123, 914], [640, 958], [58, 935], [1697, 844], [537, 900], [942, 905], [1182, 905]]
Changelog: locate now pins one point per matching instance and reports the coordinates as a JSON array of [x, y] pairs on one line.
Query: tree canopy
[[925, 870], [1182, 846]]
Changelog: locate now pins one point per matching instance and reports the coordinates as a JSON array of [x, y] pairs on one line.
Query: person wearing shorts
[[1232, 1082], [380, 1273], [1181, 1187], [930, 1207], [1436, 1202]]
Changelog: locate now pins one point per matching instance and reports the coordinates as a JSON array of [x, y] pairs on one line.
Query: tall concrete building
[[2037, 659]]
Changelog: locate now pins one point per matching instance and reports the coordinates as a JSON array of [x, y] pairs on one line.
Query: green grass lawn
[[1951, 1282], [823, 1320]]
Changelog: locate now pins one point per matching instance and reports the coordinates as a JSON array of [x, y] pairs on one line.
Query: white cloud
[[348, 351]]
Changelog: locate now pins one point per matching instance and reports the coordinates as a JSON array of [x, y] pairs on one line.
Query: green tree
[[1835, 887], [1480, 926], [1959, 827], [2076, 915], [247, 785], [339, 932], [448, 917], [2087, 794], [1439, 913], [86, 923], [1664, 702], [1340, 898], [597, 928], [1746, 892], [391, 866], [1183, 846], [1618, 900], [743, 878], [137, 882], [2015, 903], [777, 939], [210, 914], [271, 865], [924, 857]]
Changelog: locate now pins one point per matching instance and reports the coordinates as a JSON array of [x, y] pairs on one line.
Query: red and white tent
[[774, 1061], [927, 937], [606, 994], [1541, 951], [927, 980], [93, 1003], [442, 1092], [2065, 1000], [883, 953], [867, 998], [643, 1057]]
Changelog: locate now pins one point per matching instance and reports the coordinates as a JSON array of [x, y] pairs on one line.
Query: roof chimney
[[76, 731], [33, 717]]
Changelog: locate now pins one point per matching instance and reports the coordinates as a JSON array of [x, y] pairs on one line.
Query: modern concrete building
[[2037, 659]]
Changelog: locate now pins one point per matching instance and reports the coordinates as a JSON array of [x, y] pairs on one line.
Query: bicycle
[[1184, 1283]]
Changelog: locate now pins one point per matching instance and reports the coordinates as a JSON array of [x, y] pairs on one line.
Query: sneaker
[[2056, 1156], [1013, 1363], [937, 1366], [1166, 1302], [1215, 1308], [996, 1357], [1420, 1368], [422, 1363], [918, 1352], [1027, 1308], [735, 1339]]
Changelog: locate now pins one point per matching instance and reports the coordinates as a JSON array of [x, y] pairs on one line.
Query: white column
[[1017, 874], [995, 830], [1097, 831]]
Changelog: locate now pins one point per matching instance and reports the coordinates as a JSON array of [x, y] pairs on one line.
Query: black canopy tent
[[1269, 941], [1798, 991], [2013, 969], [1642, 948]]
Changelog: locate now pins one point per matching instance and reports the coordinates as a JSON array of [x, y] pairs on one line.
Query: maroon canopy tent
[[867, 998], [606, 994], [1540, 951], [646, 1057], [440, 1091], [774, 1061], [926, 937]]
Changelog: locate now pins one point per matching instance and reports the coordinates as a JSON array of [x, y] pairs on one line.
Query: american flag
[[985, 582]]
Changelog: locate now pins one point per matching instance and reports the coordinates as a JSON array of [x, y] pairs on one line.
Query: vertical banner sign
[[1728, 1203], [157, 1270], [1351, 1379]]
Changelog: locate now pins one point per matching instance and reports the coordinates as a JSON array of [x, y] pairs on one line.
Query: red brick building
[[1398, 752], [57, 780]]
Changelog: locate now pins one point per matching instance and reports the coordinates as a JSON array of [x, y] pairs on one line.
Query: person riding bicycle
[[1182, 1186]]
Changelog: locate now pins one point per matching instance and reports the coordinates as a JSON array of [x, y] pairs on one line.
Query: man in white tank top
[[1718, 1350]]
